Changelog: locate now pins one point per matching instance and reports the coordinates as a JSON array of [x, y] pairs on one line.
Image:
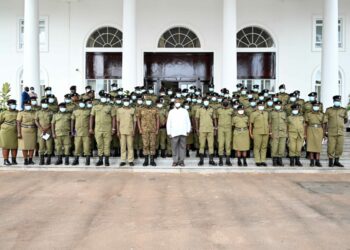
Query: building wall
[[289, 22]]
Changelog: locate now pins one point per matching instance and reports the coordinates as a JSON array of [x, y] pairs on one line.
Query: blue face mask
[[337, 104], [253, 104], [82, 105], [311, 98], [269, 103], [316, 108]]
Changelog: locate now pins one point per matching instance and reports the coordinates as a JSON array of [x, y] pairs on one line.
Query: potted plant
[[4, 95]]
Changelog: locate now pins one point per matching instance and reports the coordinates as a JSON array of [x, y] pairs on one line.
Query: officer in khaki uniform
[[224, 121], [80, 131], [102, 124], [334, 119], [61, 123], [282, 95], [148, 124], [241, 140], [205, 126], [43, 120], [126, 125], [162, 135], [296, 135], [53, 106], [307, 107], [278, 132], [259, 132]]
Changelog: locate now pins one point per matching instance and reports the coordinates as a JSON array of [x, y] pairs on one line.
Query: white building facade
[[288, 41]]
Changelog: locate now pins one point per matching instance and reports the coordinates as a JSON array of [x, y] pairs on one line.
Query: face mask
[[311, 98], [62, 110], [148, 103], [34, 103], [295, 112], [178, 95], [89, 105], [199, 101], [253, 104], [184, 94], [170, 92], [159, 105], [133, 97], [28, 108], [261, 108], [282, 91], [219, 100], [244, 92], [87, 90], [187, 107], [225, 104], [235, 106], [13, 106], [103, 100], [139, 102], [108, 100], [194, 100], [233, 99], [213, 99], [48, 92], [138, 92], [337, 104], [250, 96], [293, 99], [256, 90], [51, 100], [82, 105], [177, 105], [191, 91], [266, 94], [269, 103], [114, 88], [261, 98], [227, 95], [126, 104], [198, 93], [162, 94], [241, 112], [172, 100], [206, 103], [211, 89], [278, 108], [67, 101], [111, 101], [316, 108], [44, 105], [275, 99], [189, 99], [118, 101], [151, 92]]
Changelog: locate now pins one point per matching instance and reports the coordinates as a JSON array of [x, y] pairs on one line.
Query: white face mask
[[278, 107], [295, 112], [103, 100], [118, 102], [206, 103], [151, 92], [269, 103], [34, 103], [114, 88], [250, 96], [139, 102], [170, 92], [82, 105], [213, 99], [13, 106], [316, 108], [198, 93], [133, 97], [311, 98], [244, 92], [44, 105], [261, 108], [235, 106], [62, 110], [282, 91], [67, 101], [178, 95], [28, 108], [120, 92], [51, 100], [159, 105], [253, 104], [293, 99], [126, 104], [177, 105], [261, 98], [199, 101], [48, 92], [89, 105], [211, 89], [148, 103], [241, 112], [187, 107], [337, 104]]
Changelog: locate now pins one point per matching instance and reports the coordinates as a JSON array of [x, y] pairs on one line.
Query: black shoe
[[297, 162], [100, 161], [221, 163], [162, 153], [14, 161], [228, 161], [211, 161], [31, 162], [7, 162], [187, 153], [42, 160], [239, 162], [141, 154], [258, 164], [292, 161], [312, 163], [131, 164], [152, 162], [263, 164], [107, 161], [48, 160], [76, 161], [318, 164], [135, 154], [197, 154], [274, 162], [59, 160], [66, 160], [117, 152], [146, 162], [330, 163], [337, 163], [245, 162], [87, 161], [122, 164], [201, 160], [232, 154], [156, 154], [280, 162]]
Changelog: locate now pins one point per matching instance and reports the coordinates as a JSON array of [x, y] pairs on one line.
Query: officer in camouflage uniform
[[162, 135], [43, 119], [138, 145], [80, 130], [61, 123], [334, 119], [102, 124], [148, 124]]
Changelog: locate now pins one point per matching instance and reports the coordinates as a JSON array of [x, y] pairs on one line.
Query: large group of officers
[[132, 125]]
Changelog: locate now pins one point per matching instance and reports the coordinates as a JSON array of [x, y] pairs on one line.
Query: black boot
[[221, 163], [274, 162], [162, 153], [292, 161], [318, 163], [31, 162], [107, 161], [153, 163], [280, 162], [42, 160], [145, 163], [100, 161], [232, 154], [312, 163], [297, 162], [228, 161], [76, 161], [66, 160], [87, 161], [197, 153], [14, 161], [59, 160], [48, 160], [201, 160], [156, 154], [337, 163], [330, 163], [26, 161], [187, 153], [135, 154], [117, 152], [7, 162], [245, 162], [239, 162], [211, 161], [141, 154]]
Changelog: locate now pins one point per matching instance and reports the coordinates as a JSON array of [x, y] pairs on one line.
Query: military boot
[[100, 161], [228, 161], [7, 162], [31, 162], [312, 163], [221, 163], [318, 163], [87, 161], [245, 162], [76, 161], [280, 162], [197, 153], [211, 161], [106, 161], [66, 160], [59, 160], [330, 163], [141, 154], [201, 160], [14, 161], [42, 160], [297, 162], [292, 161], [117, 152], [274, 162], [153, 163], [187, 153], [162, 153], [135, 154], [26, 161], [145, 163], [239, 161], [48, 160], [337, 163]]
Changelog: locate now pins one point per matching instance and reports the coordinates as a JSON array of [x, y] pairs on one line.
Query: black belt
[[241, 129], [315, 126], [10, 123], [28, 126]]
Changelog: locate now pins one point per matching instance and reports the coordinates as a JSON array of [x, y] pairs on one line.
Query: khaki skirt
[[28, 140], [8, 137], [241, 140], [314, 139]]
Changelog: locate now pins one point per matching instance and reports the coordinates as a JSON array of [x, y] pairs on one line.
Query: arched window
[[317, 81], [254, 37], [179, 37], [105, 37]]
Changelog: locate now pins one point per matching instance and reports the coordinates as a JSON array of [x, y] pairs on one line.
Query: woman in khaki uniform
[[241, 139], [315, 134], [8, 133], [26, 130]]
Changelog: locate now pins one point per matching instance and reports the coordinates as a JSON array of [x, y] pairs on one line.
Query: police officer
[[224, 122], [296, 135], [138, 146], [148, 124], [114, 90], [61, 128], [282, 95], [49, 94], [206, 128], [309, 104], [162, 135], [8, 133], [87, 94], [102, 124], [70, 106], [80, 130], [259, 132], [241, 140], [278, 133], [43, 119], [126, 125], [334, 119]]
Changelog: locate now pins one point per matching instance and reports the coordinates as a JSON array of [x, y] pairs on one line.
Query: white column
[[330, 64], [31, 53], [129, 45], [229, 51]]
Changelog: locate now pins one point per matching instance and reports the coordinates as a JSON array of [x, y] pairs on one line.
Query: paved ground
[[110, 210]]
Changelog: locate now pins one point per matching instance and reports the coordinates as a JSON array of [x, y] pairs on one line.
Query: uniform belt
[[10, 123], [315, 126], [241, 129], [28, 126]]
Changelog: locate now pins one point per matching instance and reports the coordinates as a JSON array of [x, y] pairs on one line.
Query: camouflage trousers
[[149, 143]]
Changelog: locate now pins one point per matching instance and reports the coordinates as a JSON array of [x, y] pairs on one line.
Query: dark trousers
[[178, 145]]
